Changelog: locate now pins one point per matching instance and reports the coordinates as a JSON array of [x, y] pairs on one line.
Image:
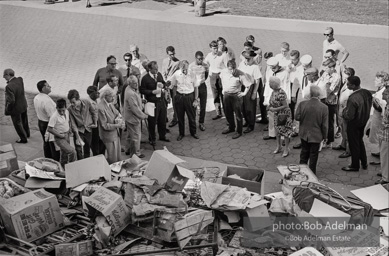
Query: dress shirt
[[343, 97], [232, 83], [103, 73], [199, 71], [378, 95], [128, 71], [114, 90], [282, 60], [169, 66], [184, 83], [44, 106], [332, 83], [216, 62], [83, 117], [334, 45], [252, 70], [296, 78], [138, 62], [306, 88], [60, 123]]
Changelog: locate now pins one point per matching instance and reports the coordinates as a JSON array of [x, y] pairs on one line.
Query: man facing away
[[45, 107], [16, 104], [313, 117], [357, 113]]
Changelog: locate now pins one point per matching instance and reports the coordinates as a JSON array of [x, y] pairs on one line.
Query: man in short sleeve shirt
[[331, 43]]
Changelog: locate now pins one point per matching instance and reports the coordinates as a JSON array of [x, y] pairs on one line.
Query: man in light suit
[[16, 104], [133, 115], [313, 117]]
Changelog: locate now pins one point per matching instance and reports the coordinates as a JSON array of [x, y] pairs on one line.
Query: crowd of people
[[294, 99]]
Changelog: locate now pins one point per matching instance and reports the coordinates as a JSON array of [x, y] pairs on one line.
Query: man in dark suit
[[152, 86], [356, 114], [16, 104], [313, 117]]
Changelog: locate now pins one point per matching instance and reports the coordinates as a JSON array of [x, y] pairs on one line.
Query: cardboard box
[[247, 176], [8, 160], [31, 215], [87, 169], [112, 206], [83, 248], [163, 167]]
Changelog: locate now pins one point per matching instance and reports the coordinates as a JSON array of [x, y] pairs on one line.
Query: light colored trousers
[[384, 158], [134, 134], [113, 151]]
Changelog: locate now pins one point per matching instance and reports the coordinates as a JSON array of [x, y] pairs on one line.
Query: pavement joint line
[[180, 13]]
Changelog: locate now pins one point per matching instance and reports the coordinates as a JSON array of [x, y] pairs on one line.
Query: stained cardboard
[[8, 160], [83, 248], [87, 169], [32, 215], [111, 206]]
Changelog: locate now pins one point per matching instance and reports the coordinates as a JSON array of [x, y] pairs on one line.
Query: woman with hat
[[283, 122]]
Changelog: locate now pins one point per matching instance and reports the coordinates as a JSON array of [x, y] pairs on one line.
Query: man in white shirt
[[252, 70], [216, 61], [137, 58], [295, 69], [45, 107], [112, 84], [201, 71], [274, 69], [250, 39], [283, 57], [186, 98], [233, 80], [331, 43]]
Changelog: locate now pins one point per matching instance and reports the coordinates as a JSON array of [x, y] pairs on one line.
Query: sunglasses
[[327, 34], [112, 64], [126, 60]]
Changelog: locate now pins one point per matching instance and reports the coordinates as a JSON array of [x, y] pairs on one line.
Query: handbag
[[281, 119], [359, 211]]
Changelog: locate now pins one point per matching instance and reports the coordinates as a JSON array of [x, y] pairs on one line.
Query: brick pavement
[[66, 48]]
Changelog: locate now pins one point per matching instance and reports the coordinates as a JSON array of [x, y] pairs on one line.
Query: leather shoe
[[379, 174], [245, 125], [236, 135], [297, 146], [127, 153], [364, 167], [375, 154], [227, 130], [202, 127], [375, 163], [164, 139], [173, 123], [262, 121], [216, 117], [141, 155], [21, 141], [167, 130], [195, 136], [350, 169], [381, 181], [152, 143], [269, 138], [249, 129], [180, 137], [344, 155], [339, 147]]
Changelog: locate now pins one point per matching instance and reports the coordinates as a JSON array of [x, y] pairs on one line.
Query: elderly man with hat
[[274, 69], [250, 68], [137, 58]]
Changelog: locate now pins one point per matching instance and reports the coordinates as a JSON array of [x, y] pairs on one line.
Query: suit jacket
[[107, 115], [357, 111], [313, 117], [148, 85], [132, 107], [15, 100]]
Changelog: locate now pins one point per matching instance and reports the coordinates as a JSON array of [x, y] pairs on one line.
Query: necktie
[[128, 71], [155, 77]]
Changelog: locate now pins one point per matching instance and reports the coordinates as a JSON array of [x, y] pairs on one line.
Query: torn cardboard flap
[[87, 169], [178, 178], [41, 183]]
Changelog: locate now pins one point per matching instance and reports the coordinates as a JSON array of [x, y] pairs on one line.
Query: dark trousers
[[309, 151], [357, 147], [158, 119], [173, 93], [203, 101], [184, 103], [97, 145], [48, 146], [83, 152], [331, 123], [249, 108], [233, 105], [262, 108], [20, 123]]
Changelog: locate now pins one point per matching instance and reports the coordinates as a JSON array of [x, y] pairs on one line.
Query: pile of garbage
[[167, 206]]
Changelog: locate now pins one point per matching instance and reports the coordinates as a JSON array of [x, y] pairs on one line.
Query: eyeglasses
[[113, 64], [126, 60], [327, 34]]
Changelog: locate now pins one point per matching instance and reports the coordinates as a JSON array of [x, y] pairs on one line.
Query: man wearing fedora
[[250, 68]]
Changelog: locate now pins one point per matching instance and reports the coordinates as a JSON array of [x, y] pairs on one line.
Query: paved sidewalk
[[66, 43]]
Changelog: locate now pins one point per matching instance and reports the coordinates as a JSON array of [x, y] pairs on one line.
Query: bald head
[[315, 91], [8, 74], [274, 82]]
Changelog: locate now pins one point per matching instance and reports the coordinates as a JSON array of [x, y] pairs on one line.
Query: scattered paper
[[375, 195], [149, 108], [384, 224], [34, 172], [211, 191], [235, 176]]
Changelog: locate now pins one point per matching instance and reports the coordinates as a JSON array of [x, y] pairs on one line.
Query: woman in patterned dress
[[279, 105]]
